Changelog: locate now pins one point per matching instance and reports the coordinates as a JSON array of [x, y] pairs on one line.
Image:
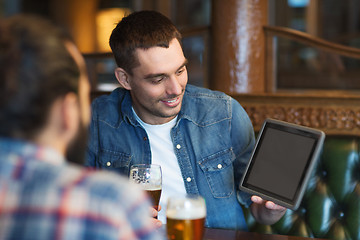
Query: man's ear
[[70, 114], [123, 78]]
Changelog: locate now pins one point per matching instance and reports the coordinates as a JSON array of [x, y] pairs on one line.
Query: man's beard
[[76, 150]]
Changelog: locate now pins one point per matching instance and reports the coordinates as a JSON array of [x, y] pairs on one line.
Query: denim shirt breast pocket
[[115, 161], [219, 172]]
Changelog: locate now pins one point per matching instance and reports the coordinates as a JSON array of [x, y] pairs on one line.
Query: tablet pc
[[282, 161]]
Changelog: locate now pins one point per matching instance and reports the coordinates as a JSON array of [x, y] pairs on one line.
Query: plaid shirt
[[42, 197]]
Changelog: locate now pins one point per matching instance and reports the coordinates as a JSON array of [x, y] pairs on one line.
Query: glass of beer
[[185, 217], [149, 177]]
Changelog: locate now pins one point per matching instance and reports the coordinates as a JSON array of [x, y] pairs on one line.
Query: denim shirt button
[[188, 179], [178, 146], [108, 164], [219, 166]]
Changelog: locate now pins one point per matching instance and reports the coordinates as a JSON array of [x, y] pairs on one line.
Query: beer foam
[[186, 214], [147, 187]]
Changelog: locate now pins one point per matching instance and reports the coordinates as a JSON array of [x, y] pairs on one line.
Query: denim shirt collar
[[185, 112], [128, 115]]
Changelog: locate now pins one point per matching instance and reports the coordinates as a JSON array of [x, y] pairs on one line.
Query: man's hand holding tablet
[[281, 163]]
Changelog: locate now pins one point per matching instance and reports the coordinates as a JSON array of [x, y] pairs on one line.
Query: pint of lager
[[154, 194], [149, 177], [185, 217]]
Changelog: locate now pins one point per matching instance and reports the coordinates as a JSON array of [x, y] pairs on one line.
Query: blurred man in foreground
[[44, 114]]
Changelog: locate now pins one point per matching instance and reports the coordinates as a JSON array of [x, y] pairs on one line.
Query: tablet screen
[[281, 160]]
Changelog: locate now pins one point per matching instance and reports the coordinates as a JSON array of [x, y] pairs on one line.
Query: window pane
[[191, 13], [194, 50], [304, 67]]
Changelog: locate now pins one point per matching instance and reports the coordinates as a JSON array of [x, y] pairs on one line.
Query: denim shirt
[[213, 139]]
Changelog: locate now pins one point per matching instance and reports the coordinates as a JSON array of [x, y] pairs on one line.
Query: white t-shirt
[[162, 153]]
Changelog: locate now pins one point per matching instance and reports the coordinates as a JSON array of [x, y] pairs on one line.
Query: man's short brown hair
[[144, 29]]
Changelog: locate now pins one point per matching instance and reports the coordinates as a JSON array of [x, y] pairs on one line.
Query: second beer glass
[[150, 179], [185, 217]]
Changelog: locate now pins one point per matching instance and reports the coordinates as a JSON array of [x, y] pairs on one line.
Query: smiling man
[[157, 86], [201, 138]]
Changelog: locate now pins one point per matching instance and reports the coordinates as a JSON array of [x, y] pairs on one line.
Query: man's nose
[[174, 86]]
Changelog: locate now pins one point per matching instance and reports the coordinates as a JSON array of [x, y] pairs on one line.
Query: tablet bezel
[[293, 203]]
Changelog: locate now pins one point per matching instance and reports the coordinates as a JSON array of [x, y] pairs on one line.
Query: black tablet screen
[[278, 166]]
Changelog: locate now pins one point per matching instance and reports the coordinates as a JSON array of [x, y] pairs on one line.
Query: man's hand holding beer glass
[[149, 177]]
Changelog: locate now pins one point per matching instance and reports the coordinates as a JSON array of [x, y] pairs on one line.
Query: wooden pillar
[[79, 18], [237, 46]]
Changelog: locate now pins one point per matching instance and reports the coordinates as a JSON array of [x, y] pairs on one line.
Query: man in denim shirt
[[202, 138]]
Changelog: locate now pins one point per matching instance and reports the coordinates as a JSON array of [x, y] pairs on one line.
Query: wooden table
[[222, 234]]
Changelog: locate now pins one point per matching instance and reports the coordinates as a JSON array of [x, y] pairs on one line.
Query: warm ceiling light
[[106, 20]]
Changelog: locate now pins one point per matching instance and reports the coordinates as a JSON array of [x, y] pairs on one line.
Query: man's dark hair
[[144, 29], [35, 70]]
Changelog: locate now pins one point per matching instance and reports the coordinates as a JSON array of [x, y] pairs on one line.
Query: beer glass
[[185, 217], [149, 177]]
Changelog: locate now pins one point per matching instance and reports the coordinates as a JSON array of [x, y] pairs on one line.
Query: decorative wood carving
[[334, 115]]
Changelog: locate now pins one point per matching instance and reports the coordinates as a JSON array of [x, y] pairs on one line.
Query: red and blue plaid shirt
[[43, 197]]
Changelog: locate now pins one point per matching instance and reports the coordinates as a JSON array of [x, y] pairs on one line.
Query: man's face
[[76, 149], [158, 83]]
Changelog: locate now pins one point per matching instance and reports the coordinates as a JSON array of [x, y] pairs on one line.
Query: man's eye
[[180, 71], [157, 79]]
